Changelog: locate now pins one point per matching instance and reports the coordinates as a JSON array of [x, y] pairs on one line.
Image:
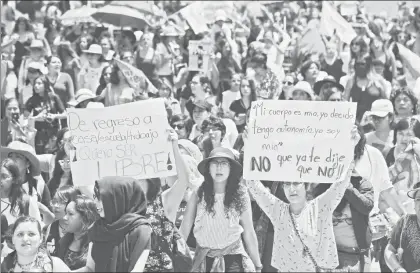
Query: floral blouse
[[314, 224], [163, 230]]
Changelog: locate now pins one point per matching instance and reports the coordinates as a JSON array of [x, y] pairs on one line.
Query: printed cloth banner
[[136, 78], [199, 55], [299, 141], [123, 140], [332, 21]]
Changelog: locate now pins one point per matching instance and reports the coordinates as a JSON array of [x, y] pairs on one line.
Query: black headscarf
[[124, 205]]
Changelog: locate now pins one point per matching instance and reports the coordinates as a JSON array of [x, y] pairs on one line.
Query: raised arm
[[173, 196], [189, 216]]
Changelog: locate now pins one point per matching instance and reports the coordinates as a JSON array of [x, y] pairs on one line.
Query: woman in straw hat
[[29, 171], [220, 211], [403, 251], [165, 54], [90, 74]]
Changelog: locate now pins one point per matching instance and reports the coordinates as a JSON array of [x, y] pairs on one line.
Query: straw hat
[[25, 150], [94, 49], [37, 44], [329, 79], [220, 152], [305, 87], [81, 96]]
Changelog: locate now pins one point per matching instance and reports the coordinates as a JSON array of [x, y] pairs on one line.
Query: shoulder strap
[[405, 220]]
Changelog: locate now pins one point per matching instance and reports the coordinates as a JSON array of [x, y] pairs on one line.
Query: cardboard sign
[[123, 140], [299, 141], [136, 78], [199, 52]]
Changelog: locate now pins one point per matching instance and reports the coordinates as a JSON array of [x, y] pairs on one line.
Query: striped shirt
[[218, 231]]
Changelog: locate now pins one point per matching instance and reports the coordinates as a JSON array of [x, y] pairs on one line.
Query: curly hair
[[409, 93], [216, 122], [234, 195]]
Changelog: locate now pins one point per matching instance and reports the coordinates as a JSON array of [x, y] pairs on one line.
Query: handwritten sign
[[299, 141], [123, 140], [136, 78], [199, 52]]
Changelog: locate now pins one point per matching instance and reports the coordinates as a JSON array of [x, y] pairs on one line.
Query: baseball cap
[[381, 108]]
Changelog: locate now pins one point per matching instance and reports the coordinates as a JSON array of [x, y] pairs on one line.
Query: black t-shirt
[[238, 107], [37, 104]]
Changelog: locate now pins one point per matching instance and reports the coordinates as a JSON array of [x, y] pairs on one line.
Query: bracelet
[[259, 268]]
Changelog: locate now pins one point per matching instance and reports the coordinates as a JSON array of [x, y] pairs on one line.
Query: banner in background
[[332, 21], [299, 141], [123, 140], [199, 55], [136, 78]]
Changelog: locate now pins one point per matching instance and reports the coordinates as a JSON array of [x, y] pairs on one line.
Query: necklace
[[26, 267]]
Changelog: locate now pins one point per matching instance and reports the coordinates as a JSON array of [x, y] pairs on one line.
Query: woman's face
[[219, 169], [331, 49], [105, 44], [336, 96], [99, 206], [195, 85], [58, 207], [199, 115], [245, 88], [300, 95], [65, 164], [22, 26], [73, 221], [6, 182], [93, 58], [287, 83], [235, 83], [295, 192], [403, 105], [164, 91], [381, 123], [355, 48], [55, 64], [27, 239], [36, 53], [180, 129], [312, 72], [107, 75], [404, 137], [83, 43], [39, 86], [21, 161], [12, 109]]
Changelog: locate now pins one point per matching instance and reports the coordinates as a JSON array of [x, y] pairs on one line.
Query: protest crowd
[[210, 136]]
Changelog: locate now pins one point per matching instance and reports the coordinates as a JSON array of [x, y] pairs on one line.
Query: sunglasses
[[178, 126], [287, 83]]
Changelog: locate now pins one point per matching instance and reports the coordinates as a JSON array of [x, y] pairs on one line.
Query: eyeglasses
[[222, 164], [337, 221], [67, 161], [57, 203], [178, 126], [194, 83], [287, 83]]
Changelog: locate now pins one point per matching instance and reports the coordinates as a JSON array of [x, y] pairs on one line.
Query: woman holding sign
[[303, 229], [221, 213]]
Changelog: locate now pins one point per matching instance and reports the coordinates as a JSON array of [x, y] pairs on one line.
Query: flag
[[332, 22], [136, 78], [411, 61]]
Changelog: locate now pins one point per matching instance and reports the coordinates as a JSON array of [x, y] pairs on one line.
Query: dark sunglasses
[[287, 83], [178, 126]]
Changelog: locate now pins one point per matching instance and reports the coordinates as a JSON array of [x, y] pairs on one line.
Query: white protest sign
[[199, 55], [299, 141], [123, 140]]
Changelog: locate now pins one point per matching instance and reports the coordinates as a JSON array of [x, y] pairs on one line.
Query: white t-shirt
[[372, 166]]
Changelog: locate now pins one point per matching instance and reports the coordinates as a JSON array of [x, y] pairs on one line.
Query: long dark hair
[[233, 194], [16, 195], [58, 172]]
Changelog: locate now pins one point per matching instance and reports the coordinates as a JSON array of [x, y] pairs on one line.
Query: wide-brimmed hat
[[329, 79], [381, 108], [416, 189], [36, 66], [37, 44], [220, 152], [94, 49], [27, 151], [81, 96], [169, 31], [191, 149], [305, 87], [202, 104]]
